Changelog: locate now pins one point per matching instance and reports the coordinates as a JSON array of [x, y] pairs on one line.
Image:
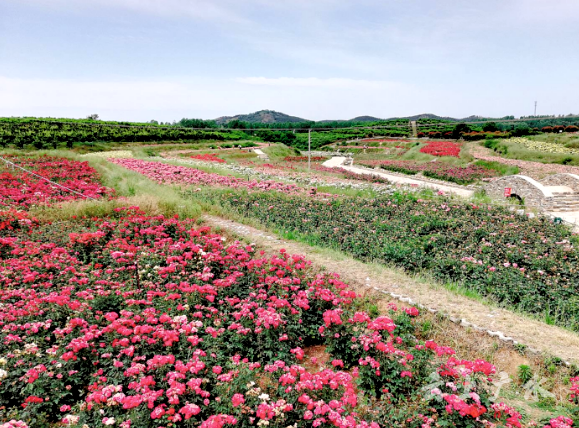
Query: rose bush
[[172, 174], [439, 170], [21, 189], [138, 321], [208, 157], [442, 148], [523, 263]]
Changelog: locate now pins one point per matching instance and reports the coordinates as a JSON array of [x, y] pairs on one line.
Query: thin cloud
[[206, 10], [314, 82]]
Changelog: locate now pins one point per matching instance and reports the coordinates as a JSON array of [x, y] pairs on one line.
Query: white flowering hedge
[[542, 146]]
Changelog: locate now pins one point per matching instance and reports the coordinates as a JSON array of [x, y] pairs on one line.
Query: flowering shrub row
[[575, 390], [304, 158], [14, 220], [542, 146], [439, 170], [19, 188], [149, 322], [536, 170], [473, 136], [109, 154], [208, 157], [528, 264], [560, 128], [441, 148], [171, 174]]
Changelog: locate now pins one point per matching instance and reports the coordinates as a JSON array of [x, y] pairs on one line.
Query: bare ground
[[546, 339]]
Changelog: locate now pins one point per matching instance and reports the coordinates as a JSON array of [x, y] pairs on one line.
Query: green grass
[[205, 168], [501, 168], [280, 151], [511, 150], [132, 187]]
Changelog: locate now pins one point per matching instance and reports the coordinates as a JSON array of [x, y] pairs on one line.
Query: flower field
[[441, 148], [439, 170], [304, 159], [208, 157], [20, 189], [171, 174], [528, 264], [111, 154], [536, 170], [542, 146], [136, 321]]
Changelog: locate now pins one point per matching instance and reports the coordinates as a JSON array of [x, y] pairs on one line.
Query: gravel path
[[550, 340]]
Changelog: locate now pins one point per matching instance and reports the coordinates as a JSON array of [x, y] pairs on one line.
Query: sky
[[163, 60]]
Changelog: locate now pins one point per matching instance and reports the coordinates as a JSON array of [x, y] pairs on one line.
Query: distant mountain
[[271, 116], [426, 116], [356, 119], [262, 116], [365, 119]]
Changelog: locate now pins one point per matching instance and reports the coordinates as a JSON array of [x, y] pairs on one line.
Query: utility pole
[[309, 148], [535, 108]]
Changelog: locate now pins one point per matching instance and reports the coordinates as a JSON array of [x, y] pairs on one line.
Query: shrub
[[19, 188], [164, 324], [536, 275]]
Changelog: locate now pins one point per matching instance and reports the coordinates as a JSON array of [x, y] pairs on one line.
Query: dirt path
[[536, 170], [548, 339], [338, 161]]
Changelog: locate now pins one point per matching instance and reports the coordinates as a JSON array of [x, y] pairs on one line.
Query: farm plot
[[171, 174], [439, 170], [75, 180], [147, 322], [528, 264]]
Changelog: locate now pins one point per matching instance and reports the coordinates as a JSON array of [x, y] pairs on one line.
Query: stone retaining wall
[[530, 191], [564, 179]]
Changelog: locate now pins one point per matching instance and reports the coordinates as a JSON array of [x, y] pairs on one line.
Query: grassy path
[[547, 339]]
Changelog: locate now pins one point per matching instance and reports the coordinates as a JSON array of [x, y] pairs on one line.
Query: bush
[[537, 277], [176, 327]]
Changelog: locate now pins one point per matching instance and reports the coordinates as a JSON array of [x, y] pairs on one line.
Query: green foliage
[[196, 123], [490, 127], [460, 129], [524, 373], [42, 134], [503, 257], [501, 168]]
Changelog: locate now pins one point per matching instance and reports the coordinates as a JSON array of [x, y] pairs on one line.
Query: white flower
[[72, 419], [3, 374], [264, 397]]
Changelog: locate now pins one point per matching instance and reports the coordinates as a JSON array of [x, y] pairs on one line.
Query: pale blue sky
[[318, 59]]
